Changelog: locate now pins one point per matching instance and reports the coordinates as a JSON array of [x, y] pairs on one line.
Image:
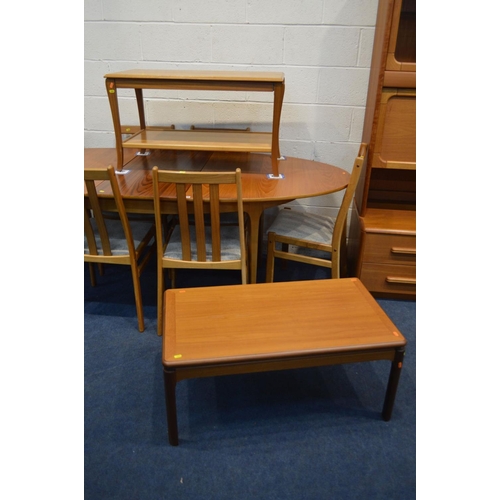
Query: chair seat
[[303, 225], [230, 243], [116, 235]]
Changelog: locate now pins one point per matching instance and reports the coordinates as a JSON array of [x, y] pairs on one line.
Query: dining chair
[[197, 237], [311, 232], [115, 240]]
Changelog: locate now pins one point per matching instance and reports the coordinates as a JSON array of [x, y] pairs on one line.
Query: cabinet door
[[395, 144], [401, 54]]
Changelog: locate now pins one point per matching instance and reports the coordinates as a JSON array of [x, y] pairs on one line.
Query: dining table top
[[301, 178]]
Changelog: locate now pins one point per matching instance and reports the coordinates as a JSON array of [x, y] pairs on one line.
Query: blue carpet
[[300, 434]]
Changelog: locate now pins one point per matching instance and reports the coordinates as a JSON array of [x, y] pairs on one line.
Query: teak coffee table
[[235, 329]]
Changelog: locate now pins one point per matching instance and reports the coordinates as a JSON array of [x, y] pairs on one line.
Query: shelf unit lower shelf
[[201, 140]]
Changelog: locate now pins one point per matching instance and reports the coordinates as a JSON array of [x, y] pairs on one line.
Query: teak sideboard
[[382, 237], [168, 137]]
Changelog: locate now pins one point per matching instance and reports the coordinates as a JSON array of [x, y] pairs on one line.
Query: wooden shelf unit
[[382, 237], [208, 140]]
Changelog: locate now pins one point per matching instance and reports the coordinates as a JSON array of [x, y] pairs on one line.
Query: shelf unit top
[[232, 76]]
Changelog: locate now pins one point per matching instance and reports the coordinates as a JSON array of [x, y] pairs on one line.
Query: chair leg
[[259, 245], [92, 274], [138, 296], [336, 272], [171, 277], [270, 258], [284, 248]]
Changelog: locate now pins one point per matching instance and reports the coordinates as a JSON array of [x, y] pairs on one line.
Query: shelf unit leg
[[111, 90], [279, 93], [140, 108]]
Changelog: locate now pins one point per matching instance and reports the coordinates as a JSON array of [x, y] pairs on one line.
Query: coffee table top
[[273, 320]]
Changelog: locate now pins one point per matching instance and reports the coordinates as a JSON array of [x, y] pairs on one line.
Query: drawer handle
[[401, 281], [406, 251]]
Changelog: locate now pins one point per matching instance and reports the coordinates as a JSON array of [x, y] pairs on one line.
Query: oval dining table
[[300, 179]]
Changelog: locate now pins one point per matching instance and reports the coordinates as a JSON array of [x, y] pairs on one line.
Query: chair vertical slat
[[215, 222], [122, 212], [183, 221], [99, 218], [199, 221]]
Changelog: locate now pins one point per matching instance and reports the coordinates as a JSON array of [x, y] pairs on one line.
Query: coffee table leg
[[169, 380], [392, 385]]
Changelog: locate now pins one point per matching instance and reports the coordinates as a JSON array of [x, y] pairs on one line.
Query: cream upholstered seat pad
[[303, 225], [116, 235], [230, 243]]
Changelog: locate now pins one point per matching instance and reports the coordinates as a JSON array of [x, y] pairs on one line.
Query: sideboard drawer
[[387, 262], [398, 279], [390, 249]]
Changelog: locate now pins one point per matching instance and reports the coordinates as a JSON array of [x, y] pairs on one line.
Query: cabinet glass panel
[[406, 40]]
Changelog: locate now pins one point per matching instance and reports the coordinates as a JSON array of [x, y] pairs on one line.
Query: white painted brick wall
[[322, 46]]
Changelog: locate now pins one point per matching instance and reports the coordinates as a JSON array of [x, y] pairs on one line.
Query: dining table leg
[[254, 211]]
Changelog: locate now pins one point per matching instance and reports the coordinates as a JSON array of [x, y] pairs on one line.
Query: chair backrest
[[339, 232], [198, 193], [90, 178]]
